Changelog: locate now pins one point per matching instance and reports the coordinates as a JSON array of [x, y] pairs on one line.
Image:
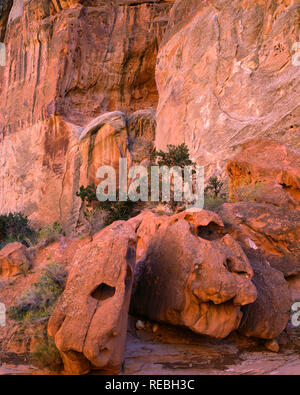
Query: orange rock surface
[[267, 172], [14, 259], [67, 64], [225, 75], [90, 320], [190, 274]]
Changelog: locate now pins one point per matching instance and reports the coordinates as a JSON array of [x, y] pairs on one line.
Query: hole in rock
[[230, 266], [210, 232], [103, 292]]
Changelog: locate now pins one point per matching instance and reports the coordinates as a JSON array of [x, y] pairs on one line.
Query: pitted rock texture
[[225, 76], [89, 323], [190, 274]]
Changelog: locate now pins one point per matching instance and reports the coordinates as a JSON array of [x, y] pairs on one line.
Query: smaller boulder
[[273, 231], [268, 316], [272, 345], [14, 260]]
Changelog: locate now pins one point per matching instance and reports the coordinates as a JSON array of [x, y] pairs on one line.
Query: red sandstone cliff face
[[225, 76], [79, 59], [67, 63], [79, 91], [223, 69]]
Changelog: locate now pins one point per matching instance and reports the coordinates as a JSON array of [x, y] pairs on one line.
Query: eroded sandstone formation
[[223, 69], [273, 231], [88, 82], [190, 274], [68, 63], [90, 320], [268, 316]]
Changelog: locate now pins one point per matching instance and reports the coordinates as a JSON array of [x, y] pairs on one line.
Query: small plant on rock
[[214, 187], [175, 156], [250, 192]]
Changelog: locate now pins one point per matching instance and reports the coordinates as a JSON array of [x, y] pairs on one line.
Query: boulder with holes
[[90, 320], [191, 274]]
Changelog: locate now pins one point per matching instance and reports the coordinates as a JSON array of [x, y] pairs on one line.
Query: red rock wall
[[225, 75], [67, 63]]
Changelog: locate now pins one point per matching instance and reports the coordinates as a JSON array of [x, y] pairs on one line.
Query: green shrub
[[113, 211], [39, 300], [215, 194], [15, 227], [119, 210], [50, 234], [46, 355], [175, 156], [214, 187]]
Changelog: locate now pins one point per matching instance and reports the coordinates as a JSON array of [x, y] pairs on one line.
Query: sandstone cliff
[[224, 75], [87, 82], [69, 62]]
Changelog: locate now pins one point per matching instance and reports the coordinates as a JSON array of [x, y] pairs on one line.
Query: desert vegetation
[[15, 227], [49, 234], [46, 356], [32, 311], [215, 194], [40, 299]]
